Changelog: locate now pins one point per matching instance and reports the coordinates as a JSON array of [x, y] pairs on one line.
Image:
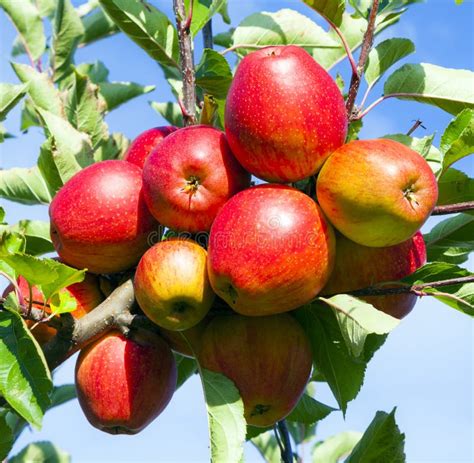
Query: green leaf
[[225, 39], [330, 9], [203, 11], [224, 12], [6, 437], [67, 33], [449, 89], [335, 447], [41, 452], [36, 232], [24, 185], [225, 412], [384, 55], [62, 394], [357, 319], [458, 138], [112, 148], [213, 74], [25, 381], [40, 89], [455, 186], [186, 366], [97, 71], [62, 302], [267, 445], [451, 240], [29, 25], [10, 95], [309, 410], [300, 432], [382, 441], [118, 93], [170, 111], [148, 27], [84, 110], [97, 25], [285, 27], [342, 371]]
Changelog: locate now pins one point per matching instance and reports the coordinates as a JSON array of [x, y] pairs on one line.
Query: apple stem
[[364, 53], [453, 208], [284, 442], [186, 56]]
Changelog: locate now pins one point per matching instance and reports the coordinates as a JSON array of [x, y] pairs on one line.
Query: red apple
[[189, 176], [377, 192], [270, 250], [87, 294], [144, 144], [99, 219], [359, 267], [122, 386], [172, 286], [268, 359], [284, 114]]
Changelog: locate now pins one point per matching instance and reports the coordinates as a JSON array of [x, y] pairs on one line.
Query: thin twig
[[287, 454], [241, 45], [207, 35], [363, 113], [453, 208], [364, 53], [418, 123]]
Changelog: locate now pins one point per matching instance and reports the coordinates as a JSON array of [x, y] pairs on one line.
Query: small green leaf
[[335, 447], [458, 138], [27, 21], [382, 441], [225, 411], [97, 71], [455, 186], [267, 445], [309, 410], [170, 111], [6, 437], [449, 89], [62, 302], [97, 25], [36, 232], [118, 93], [225, 39], [41, 452], [186, 366], [330, 9], [384, 55], [213, 74], [25, 381], [10, 95], [62, 394], [203, 11], [24, 185]]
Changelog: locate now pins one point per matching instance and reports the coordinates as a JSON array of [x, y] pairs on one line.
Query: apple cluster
[[269, 248]]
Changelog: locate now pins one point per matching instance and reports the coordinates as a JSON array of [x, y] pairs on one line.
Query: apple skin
[[122, 386], [378, 192], [284, 114], [172, 286], [268, 359], [359, 267], [99, 219], [145, 143], [87, 294], [189, 176], [270, 250]]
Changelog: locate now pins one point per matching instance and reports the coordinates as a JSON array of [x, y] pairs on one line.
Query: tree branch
[[207, 35], [186, 56], [453, 208], [285, 442], [364, 53]]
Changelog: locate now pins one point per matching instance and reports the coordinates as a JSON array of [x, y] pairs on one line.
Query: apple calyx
[[192, 185], [260, 409], [409, 194]]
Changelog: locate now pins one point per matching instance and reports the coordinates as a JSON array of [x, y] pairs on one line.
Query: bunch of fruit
[[269, 248]]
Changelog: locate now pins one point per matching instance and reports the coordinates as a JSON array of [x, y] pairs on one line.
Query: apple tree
[[157, 267]]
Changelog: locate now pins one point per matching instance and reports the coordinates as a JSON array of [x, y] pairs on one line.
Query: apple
[[122, 386], [171, 284], [99, 219], [359, 267], [270, 250], [378, 192], [144, 144], [189, 176], [268, 359], [284, 114], [87, 294]]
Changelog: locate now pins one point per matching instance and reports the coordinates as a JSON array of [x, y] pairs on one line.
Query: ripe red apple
[[172, 286], [270, 250], [144, 144], [99, 219], [284, 114], [377, 192], [189, 176], [359, 267], [268, 359], [122, 386], [87, 294]]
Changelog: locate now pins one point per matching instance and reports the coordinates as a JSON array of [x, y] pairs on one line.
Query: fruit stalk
[[283, 436], [453, 208]]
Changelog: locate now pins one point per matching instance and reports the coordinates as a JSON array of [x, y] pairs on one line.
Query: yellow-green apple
[[86, 293], [172, 286], [268, 359], [122, 386], [270, 250], [99, 219], [359, 267], [189, 176], [145, 143], [377, 192], [284, 114]]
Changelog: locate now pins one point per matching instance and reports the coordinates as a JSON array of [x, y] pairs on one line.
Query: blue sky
[[426, 366]]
